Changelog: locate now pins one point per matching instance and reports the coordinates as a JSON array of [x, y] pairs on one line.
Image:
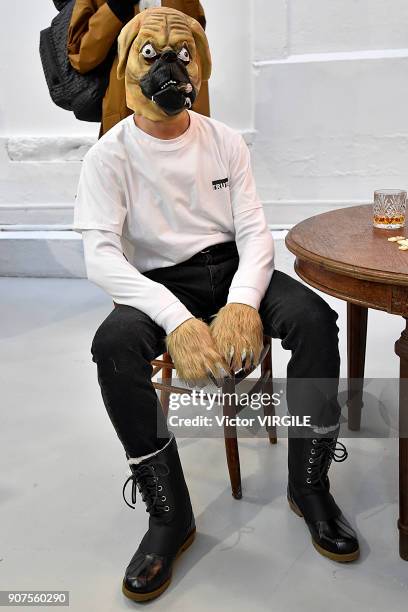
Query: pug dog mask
[[164, 57]]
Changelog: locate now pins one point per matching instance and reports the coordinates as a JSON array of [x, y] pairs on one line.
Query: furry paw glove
[[194, 353], [238, 334]]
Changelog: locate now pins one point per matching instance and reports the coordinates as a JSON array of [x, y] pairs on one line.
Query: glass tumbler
[[389, 208]]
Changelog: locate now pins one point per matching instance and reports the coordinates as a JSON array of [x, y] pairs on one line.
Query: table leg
[[356, 351], [401, 348]]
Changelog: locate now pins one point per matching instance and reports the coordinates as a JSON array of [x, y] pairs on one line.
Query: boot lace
[[146, 478], [322, 453]]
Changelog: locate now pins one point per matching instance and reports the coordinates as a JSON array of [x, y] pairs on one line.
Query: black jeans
[[128, 340]]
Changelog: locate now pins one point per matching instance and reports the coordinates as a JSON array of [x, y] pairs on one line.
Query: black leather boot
[[161, 483], [309, 494]]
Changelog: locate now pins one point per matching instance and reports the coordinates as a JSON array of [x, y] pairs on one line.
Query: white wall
[[231, 85], [324, 83], [25, 106], [330, 102], [335, 25]]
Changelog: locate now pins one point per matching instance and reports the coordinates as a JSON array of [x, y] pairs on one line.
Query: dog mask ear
[[203, 48], [125, 41]]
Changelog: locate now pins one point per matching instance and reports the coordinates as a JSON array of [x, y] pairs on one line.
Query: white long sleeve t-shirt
[[146, 203]]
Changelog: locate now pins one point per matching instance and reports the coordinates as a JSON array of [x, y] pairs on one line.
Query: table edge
[[346, 269]]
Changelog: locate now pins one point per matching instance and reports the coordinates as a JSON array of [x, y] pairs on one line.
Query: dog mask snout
[[169, 56], [168, 84]]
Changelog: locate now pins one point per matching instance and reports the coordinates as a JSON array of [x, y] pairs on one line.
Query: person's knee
[[114, 338], [314, 334], [315, 319], [107, 340]]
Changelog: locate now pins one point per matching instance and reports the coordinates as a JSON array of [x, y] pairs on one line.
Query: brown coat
[[93, 30]]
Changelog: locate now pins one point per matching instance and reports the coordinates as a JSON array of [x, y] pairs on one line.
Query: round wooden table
[[342, 254]]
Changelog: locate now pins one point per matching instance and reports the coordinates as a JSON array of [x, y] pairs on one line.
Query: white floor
[[64, 524]]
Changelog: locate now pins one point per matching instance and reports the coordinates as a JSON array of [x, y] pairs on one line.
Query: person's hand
[[194, 353], [238, 334]]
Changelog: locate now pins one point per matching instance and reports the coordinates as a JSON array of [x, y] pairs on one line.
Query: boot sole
[[153, 594], [326, 553]]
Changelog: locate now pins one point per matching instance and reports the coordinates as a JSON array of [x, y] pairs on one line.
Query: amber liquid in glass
[[400, 220]]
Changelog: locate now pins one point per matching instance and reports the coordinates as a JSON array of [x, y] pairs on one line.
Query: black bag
[[59, 4], [80, 93]]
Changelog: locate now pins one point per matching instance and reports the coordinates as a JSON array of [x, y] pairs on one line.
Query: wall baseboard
[[280, 213], [50, 254], [23, 149], [34, 214], [48, 148], [59, 254]]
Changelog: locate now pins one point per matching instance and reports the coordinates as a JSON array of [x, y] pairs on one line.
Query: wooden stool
[[264, 384]]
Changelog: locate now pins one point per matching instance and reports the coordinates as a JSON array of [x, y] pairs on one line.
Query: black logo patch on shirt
[[220, 184]]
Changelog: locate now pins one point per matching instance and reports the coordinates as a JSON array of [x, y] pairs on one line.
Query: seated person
[[175, 233]]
